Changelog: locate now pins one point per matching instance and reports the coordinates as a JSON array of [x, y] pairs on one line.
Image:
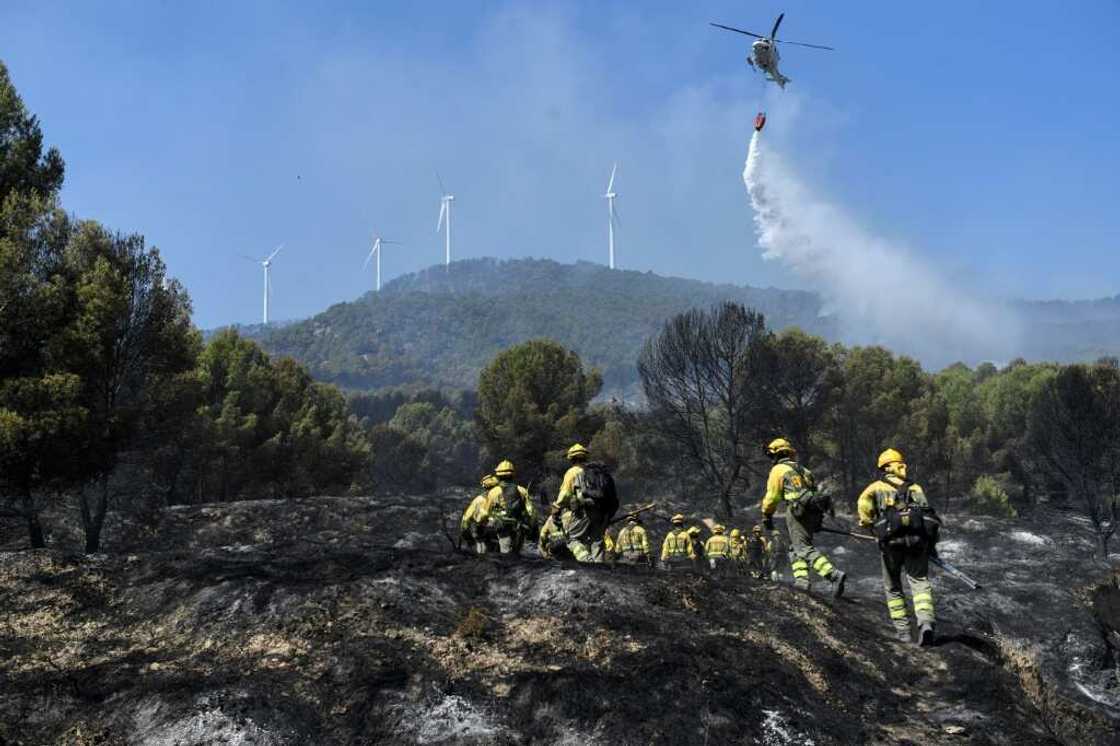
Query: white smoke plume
[[882, 293]]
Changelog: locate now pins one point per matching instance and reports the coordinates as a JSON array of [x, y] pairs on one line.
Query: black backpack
[[595, 487], [811, 504], [906, 523], [514, 504]]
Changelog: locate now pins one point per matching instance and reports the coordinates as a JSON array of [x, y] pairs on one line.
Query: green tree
[[40, 412], [872, 411], [130, 331], [805, 380], [24, 167], [269, 429], [1075, 429], [1008, 400], [532, 399]]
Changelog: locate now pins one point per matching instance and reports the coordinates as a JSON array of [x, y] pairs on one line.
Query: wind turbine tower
[[444, 223], [378, 242], [266, 263], [612, 216]]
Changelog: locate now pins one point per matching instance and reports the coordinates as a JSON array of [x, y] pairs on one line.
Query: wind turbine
[[378, 241], [266, 263], [612, 216], [445, 201]]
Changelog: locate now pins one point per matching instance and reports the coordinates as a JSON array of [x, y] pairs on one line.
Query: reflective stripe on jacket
[[678, 545]]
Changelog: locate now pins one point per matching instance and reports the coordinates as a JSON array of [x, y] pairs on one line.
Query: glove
[[768, 523]]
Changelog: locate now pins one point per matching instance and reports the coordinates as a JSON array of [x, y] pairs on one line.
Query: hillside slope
[[352, 621], [440, 328]]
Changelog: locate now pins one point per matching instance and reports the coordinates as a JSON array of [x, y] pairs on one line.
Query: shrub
[[989, 497]]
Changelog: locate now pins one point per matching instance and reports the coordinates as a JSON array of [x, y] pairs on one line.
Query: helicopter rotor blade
[[737, 30], [803, 44], [777, 23]]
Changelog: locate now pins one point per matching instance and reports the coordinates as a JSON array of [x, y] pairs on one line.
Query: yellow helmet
[[779, 446], [889, 456], [489, 481], [718, 528], [677, 520], [757, 529], [577, 452], [505, 469], [693, 530], [736, 533]]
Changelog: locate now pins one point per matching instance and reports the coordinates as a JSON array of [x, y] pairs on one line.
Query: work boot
[[925, 635], [838, 578]]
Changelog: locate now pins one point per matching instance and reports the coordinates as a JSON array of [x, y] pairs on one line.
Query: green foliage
[[440, 329], [24, 167], [532, 400], [989, 497], [1074, 428], [268, 430]]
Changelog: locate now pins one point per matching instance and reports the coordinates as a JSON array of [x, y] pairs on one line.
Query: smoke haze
[[882, 292]]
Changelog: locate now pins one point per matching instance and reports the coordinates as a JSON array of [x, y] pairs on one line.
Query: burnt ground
[[352, 621]]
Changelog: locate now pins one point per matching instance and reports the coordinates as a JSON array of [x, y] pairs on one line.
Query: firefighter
[[717, 550], [793, 484], [760, 554], [509, 511], [739, 550], [632, 546], [907, 528], [469, 527], [677, 550], [584, 505]]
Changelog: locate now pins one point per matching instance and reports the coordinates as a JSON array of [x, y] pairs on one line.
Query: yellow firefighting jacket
[[883, 493], [788, 481], [495, 505], [567, 487], [633, 539], [677, 545], [719, 546], [470, 515]]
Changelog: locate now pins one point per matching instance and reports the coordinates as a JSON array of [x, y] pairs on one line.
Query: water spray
[[882, 292]]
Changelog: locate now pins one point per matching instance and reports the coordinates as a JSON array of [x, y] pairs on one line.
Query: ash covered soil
[[353, 621]]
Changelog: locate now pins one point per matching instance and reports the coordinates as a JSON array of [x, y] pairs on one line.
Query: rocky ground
[[354, 621]]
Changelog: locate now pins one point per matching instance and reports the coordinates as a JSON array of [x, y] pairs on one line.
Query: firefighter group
[[580, 523]]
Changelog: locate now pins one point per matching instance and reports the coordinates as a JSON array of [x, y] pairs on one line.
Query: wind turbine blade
[[250, 259], [442, 212], [369, 256], [273, 254], [610, 184], [442, 188], [614, 215]]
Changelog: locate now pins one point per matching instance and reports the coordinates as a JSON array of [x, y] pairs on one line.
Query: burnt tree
[[705, 377]]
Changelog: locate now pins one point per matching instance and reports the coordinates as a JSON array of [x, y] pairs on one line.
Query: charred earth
[[353, 621]]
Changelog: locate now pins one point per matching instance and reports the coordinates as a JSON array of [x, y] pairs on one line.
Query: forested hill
[[441, 326]]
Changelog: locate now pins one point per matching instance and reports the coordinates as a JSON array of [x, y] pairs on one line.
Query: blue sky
[[983, 136]]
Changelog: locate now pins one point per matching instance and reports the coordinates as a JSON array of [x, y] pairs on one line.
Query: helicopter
[[764, 52]]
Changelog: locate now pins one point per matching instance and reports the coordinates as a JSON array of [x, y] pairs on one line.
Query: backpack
[[595, 488], [513, 505], [811, 502], [905, 523]]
